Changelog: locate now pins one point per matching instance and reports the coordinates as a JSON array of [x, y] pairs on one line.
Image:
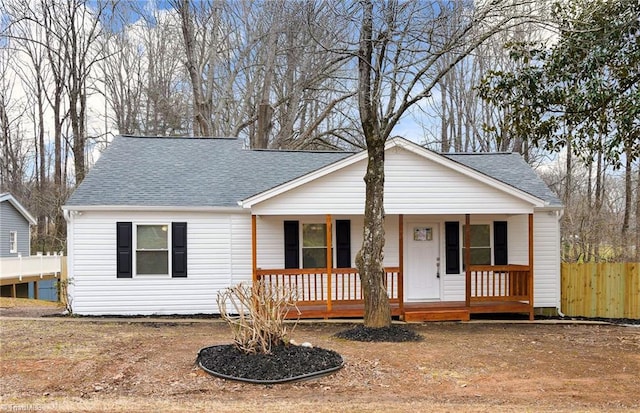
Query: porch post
[[254, 250], [531, 315], [329, 262], [467, 259], [401, 262]]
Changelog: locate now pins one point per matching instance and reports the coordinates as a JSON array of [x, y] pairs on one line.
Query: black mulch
[[395, 334], [284, 362]]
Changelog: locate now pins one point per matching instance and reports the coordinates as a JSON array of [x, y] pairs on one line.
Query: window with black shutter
[[151, 249]]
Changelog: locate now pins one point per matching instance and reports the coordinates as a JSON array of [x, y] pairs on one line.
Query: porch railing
[[500, 283], [314, 288], [34, 265]]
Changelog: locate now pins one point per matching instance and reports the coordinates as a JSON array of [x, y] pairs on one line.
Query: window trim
[[300, 241], [490, 246], [302, 247], [13, 242], [134, 249]]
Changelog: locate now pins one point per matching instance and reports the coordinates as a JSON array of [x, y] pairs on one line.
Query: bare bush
[[256, 314]]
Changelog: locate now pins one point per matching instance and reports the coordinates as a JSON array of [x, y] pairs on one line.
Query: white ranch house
[[160, 225]]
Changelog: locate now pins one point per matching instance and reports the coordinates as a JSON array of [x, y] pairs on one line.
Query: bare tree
[[123, 73], [466, 122], [12, 144], [399, 48]]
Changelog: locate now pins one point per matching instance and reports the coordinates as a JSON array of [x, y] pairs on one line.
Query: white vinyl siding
[[413, 185], [546, 251], [270, 232], [219, 255], [546, 262]]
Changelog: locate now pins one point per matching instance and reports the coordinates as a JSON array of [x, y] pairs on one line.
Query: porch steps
[[437, 315]]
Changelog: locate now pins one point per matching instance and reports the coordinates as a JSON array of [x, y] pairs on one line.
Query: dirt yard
[[74, 365]]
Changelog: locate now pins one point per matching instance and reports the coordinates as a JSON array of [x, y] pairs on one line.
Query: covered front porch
[[335, 292]]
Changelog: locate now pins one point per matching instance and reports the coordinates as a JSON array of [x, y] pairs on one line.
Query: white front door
[[422, 262]]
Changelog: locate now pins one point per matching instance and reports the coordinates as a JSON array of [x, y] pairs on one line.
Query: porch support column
[[254, 250], [531, 315], [35, 290], [329, 262], [467, 259], [401, 263]]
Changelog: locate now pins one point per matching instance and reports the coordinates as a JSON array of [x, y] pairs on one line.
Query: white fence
[[34, 265]]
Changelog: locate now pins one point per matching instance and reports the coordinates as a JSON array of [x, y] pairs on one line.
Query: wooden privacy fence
[[610, 290]]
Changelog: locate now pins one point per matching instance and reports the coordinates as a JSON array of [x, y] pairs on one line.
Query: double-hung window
[[313, 248], [488, 245], [314, 245], [13, 242], [480, 244], [152, 249]]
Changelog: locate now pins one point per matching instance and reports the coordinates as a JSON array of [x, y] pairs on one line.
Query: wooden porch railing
[[500, 283], [314, 289]]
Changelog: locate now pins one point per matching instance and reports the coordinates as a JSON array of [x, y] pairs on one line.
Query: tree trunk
[[627, 199], [79, 139], [377, 312], [638, 217], [201, 105]]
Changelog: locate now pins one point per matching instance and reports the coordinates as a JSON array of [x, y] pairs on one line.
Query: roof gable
[[7, 197], [458, 165]]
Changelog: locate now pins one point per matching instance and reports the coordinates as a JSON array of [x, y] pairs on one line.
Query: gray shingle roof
[[217, 172], [509, 168], [191, 172]]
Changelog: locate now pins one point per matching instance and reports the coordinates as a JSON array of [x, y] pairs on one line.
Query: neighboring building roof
[[217, 172], [7, 197], [509, 168], [189, 172]]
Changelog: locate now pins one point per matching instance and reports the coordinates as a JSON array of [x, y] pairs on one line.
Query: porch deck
[[337, 293], [330, 292], [416, 312], [35, 268]]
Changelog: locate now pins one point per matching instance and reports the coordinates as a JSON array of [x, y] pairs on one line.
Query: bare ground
[[129, 365]]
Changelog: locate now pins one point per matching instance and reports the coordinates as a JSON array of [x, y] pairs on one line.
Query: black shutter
[[343, 243], [500, 255], [291, 244], [452, 247], [179, 249], [124, 253]]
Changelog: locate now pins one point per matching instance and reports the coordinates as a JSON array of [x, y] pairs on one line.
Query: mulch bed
[[284, 364], [394, 333]]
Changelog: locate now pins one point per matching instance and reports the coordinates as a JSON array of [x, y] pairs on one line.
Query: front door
[[422, 262]]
